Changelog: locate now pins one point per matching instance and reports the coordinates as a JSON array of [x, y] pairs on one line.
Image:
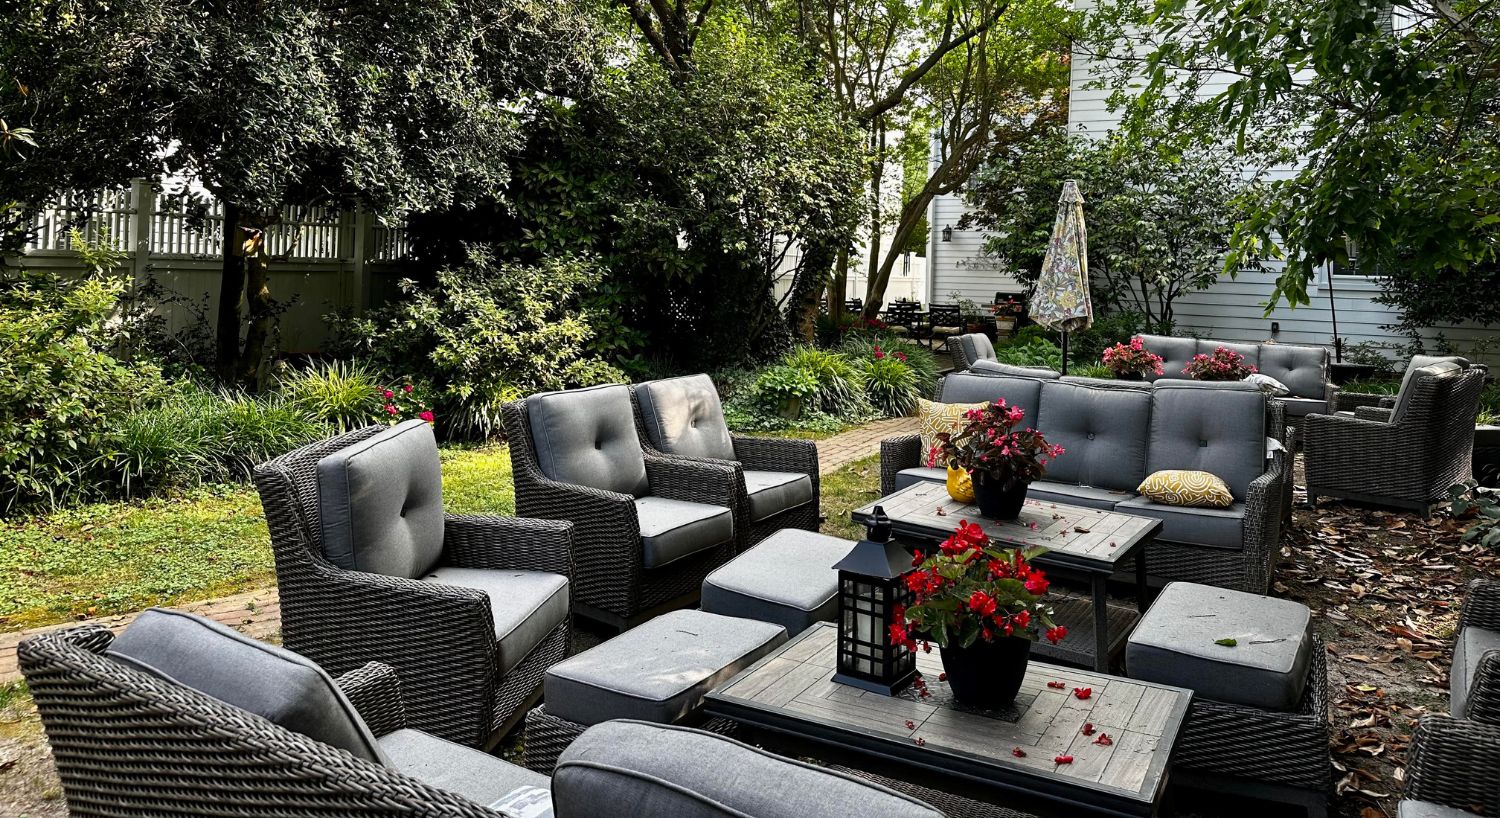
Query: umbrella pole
[[1065, 352]]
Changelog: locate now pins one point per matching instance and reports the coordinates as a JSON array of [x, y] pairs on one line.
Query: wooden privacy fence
[[322, 260]]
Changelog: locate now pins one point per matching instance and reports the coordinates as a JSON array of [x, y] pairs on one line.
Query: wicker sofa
[[1302, 369], [152, 728], [470, 610], [1115, 435]]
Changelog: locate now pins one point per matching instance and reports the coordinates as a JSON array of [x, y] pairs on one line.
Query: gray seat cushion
[[1303, 370], [587, 437], [920, 474], [1267, 667], [1209, 527], [276, 684], [772, 492], [659, 671], [787, 579], [977, 346], [463, 771], [526, 605], [1222, 431], [1051, 491], [967, 387], [1470, 647], [380, 502], [683, 416], [1175, 354], [1426, 809], [997, 368], [1102, 432], [673, 529], [627, 769], [1302, 407]]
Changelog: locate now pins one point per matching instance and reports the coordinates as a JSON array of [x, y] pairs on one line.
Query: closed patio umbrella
[[1061, 301]]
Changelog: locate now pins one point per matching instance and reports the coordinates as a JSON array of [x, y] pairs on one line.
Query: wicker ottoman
[[657, 672], [787, 579], [1259, 722]]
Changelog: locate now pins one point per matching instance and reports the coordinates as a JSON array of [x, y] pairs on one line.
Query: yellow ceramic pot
[[960, 485]]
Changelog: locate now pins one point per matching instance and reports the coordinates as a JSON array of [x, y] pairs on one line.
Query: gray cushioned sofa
[[1115, 435], [1302, 369], [182, 716]]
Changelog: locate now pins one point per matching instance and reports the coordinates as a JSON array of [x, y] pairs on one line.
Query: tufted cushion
[[525, 605], [467, 772], [587, 437], [977, 346], [1103, 433], [380, 502], [276, 684], [673, 529], [1304, 370], [1192, 489], [1217, 430], [683, 417], [965, 387], [1209, 527], [628, 769], [1175, 354]]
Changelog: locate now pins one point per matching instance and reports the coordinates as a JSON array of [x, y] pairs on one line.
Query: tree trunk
[[838, 288], [807, 290], [231, 285], [258, 296], [877, 173], [911, 216]]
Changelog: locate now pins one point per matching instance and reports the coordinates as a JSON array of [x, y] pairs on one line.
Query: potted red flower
[[983, 606], [1001, 459], [1131, 362], [1224, 365]]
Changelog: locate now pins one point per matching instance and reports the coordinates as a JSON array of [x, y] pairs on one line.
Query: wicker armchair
[[1347, 401], [440, 638], [681, 418], [966, 349], [612, 583], [1451, 769], [1404, 457], [1474, 679]]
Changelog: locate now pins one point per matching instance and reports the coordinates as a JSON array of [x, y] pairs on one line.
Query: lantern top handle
[[878, 529]]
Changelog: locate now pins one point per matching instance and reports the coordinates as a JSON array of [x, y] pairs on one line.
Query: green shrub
[[840, 384], [786, 390], [1091, 371], [1035, 352], [1108, 329], [891, 385], [344, 394], [921, 361], [490, 331], [1026, 335]]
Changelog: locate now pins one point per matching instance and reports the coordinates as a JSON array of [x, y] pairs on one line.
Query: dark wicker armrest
[[777, 454], [694, 481], [1376, 413], [1452, 762], [1481, 606], [508, 543], [1261, 535], [897, 453], [1347, 401], [375, 692]]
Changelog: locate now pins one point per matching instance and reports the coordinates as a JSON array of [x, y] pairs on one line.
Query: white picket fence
[[323, 260]]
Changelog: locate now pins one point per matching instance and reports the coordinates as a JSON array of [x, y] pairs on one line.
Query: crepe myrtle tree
[[391, 104]]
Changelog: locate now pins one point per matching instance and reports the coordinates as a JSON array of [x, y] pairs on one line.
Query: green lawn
[[847, 489], [111, 558]]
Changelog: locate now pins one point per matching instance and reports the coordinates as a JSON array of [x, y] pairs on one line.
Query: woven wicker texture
[[130, 745], [1481, 609], [1453, 762], [1409, 463], [547, 736], [609, 559], [439, 638]]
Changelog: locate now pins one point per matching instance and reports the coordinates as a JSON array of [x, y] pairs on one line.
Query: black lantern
[[871, 587], [948, 232]]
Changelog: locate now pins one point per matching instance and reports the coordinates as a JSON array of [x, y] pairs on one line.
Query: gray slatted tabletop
[[790, 694], [1083, 543]]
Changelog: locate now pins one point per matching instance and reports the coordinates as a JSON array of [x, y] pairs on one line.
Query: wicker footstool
[[658, 672], [1259, 722], [787, 579]]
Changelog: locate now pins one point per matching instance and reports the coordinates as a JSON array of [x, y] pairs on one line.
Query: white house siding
[[959, 266]]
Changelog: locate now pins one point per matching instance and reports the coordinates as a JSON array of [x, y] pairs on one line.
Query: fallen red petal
[[1088, 728], [1018, 753], [1063, 760], [1104, 740], [1082, 692], [1056, 685]]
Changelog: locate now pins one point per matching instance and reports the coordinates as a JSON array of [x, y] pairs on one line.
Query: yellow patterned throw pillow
[[933, 418], [1178, 487]]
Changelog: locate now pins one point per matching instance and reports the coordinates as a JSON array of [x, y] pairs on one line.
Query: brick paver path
[[258, 613]]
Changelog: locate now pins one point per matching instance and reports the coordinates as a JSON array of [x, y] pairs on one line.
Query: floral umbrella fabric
[[1061, 301]]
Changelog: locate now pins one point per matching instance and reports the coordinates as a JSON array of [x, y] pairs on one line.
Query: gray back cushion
[[683, 416], [1233, 386], [1303, 370], [629, 769], [1102, 430], [963, 387], [381, 503], [1421, 361], [1175, 354], [275, 684], [1221, 431], [1438, 368], [587, 437], [977, 346], [997, 368], [1106, 383]]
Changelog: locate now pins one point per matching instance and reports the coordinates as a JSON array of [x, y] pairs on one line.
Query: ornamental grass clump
[[972, 590], [1224, 365]]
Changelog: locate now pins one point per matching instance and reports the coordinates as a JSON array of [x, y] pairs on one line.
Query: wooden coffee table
[[1081, 543], [789, 701]]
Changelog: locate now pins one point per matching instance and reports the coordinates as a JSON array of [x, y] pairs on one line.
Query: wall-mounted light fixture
[[948, 233]]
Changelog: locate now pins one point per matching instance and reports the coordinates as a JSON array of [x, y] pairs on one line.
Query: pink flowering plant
[[970, 589], [1224, 365], [404, 402], [1132, 359], [993, 446]]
